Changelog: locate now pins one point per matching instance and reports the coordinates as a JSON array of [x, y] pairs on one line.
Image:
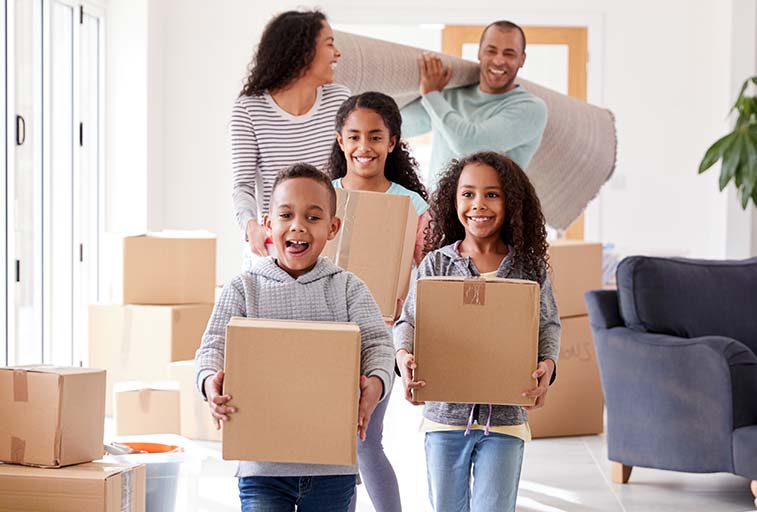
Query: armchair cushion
[[690, 298]]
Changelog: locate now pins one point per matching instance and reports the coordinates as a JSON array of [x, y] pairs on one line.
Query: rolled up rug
[[577, 152]]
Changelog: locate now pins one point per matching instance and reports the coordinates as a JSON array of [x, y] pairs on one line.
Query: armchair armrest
[[670, 401]]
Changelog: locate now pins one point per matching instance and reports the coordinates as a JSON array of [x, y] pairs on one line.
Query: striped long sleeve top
[[265, 139]]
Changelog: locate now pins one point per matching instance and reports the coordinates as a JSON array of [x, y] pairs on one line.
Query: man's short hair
[[303, 170], [505, 25]]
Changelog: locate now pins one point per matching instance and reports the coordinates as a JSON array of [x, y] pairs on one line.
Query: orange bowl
[[154, 447]]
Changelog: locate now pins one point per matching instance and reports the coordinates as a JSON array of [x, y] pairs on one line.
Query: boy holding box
[[298, 285]]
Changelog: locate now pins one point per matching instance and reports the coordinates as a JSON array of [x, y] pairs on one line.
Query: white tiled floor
[[561, 474]]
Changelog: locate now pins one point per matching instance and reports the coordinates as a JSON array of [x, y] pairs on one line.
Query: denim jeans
[[495, 461], [330, 493]]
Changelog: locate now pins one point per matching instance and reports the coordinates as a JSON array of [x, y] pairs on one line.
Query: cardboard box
[[196, 421], [51, 416], [295, 385], [167, 267], [376, 242], [574, 403], [91, 487], [576, 269], [137, 342], [146, 408], [476, 340]]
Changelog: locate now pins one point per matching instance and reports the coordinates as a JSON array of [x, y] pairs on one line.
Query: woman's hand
[[217, 402], [543, 374], [256, 236], [406, 364]]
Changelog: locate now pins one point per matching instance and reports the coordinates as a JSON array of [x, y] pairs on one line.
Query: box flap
[[239, 321], [59, 370]]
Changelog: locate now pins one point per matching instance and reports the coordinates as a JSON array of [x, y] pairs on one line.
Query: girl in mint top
[[369, 155]]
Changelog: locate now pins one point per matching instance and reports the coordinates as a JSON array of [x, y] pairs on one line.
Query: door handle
[[20, 130]]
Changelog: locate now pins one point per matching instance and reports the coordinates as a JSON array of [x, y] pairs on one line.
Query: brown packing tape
[[144, 400], [474, 291], [20, 386], [18, 449], [347, 214]]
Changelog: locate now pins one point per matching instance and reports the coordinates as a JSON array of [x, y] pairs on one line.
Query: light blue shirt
[[465, 120], [419, 203]]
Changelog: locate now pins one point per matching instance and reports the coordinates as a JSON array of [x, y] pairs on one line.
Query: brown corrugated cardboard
[[476, 340], [91, 487], [576, 269], [167, 267], [196, 422], [137, 342], [295, 387], [51, 416], [146, 408], [574, 403], [376, 242]]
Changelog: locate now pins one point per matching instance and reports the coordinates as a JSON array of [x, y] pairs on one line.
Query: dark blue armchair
[[677, 351]]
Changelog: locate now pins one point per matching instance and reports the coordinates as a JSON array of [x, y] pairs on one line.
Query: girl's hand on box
[[406, 364], [543, 374], [217, 402], [370, 394]]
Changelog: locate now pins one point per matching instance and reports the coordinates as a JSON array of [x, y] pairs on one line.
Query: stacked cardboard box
[[574, 404], [51, 429], [196, 422], [146, 409], [161, 291]]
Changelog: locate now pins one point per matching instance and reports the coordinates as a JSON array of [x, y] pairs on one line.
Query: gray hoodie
[[447, 261], [326, 293]]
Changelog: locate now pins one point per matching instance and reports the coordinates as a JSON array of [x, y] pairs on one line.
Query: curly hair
[[523, 229], [286, 50], [303, 170], [400, 166]]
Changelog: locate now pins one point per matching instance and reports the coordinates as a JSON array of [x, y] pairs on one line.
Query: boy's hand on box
[[217, 402], [543, 374], [406, 364], [370, 394]]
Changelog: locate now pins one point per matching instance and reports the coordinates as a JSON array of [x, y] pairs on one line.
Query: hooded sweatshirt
[[325, 293], [448, 261]]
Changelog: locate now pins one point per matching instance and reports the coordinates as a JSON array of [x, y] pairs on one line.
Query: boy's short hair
[[303, 170]]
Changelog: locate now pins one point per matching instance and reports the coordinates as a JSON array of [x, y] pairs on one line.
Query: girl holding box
[[370, 155], [486, 221]]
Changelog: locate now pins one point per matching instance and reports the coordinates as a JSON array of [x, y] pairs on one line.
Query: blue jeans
[[495, 461], [307, 493], [375, 469]]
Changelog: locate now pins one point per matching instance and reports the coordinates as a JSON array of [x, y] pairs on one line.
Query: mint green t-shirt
[[419, 203], [465, 120]]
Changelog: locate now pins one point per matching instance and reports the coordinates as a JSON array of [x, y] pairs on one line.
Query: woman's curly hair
[[400, 166], [286, 50], [523, 230]]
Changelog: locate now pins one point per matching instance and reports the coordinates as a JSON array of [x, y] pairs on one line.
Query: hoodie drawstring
[[470, 420]]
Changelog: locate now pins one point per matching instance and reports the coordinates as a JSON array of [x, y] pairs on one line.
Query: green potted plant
[[738, 149]]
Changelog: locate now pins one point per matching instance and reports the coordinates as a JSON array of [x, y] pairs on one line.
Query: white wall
[[666, 74]]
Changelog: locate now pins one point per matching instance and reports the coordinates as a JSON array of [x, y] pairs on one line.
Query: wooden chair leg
[[754, 492], [620, 472]]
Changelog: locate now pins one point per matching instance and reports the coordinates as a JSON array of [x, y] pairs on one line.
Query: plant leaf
[[731, 161], [715, 151]]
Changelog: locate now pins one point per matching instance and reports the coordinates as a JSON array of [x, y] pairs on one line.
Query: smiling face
[[501, 54], [366, 142], [480, 202], [321, 70], [300, 223]]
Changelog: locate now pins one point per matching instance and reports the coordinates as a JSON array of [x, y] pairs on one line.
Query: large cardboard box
[[167, 267], [576, 269], [137, 342], [376, 242], [92, 487], [574, 404], [476, 340], [146, 408], [295, 385], [51, 416], [196, 421]]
